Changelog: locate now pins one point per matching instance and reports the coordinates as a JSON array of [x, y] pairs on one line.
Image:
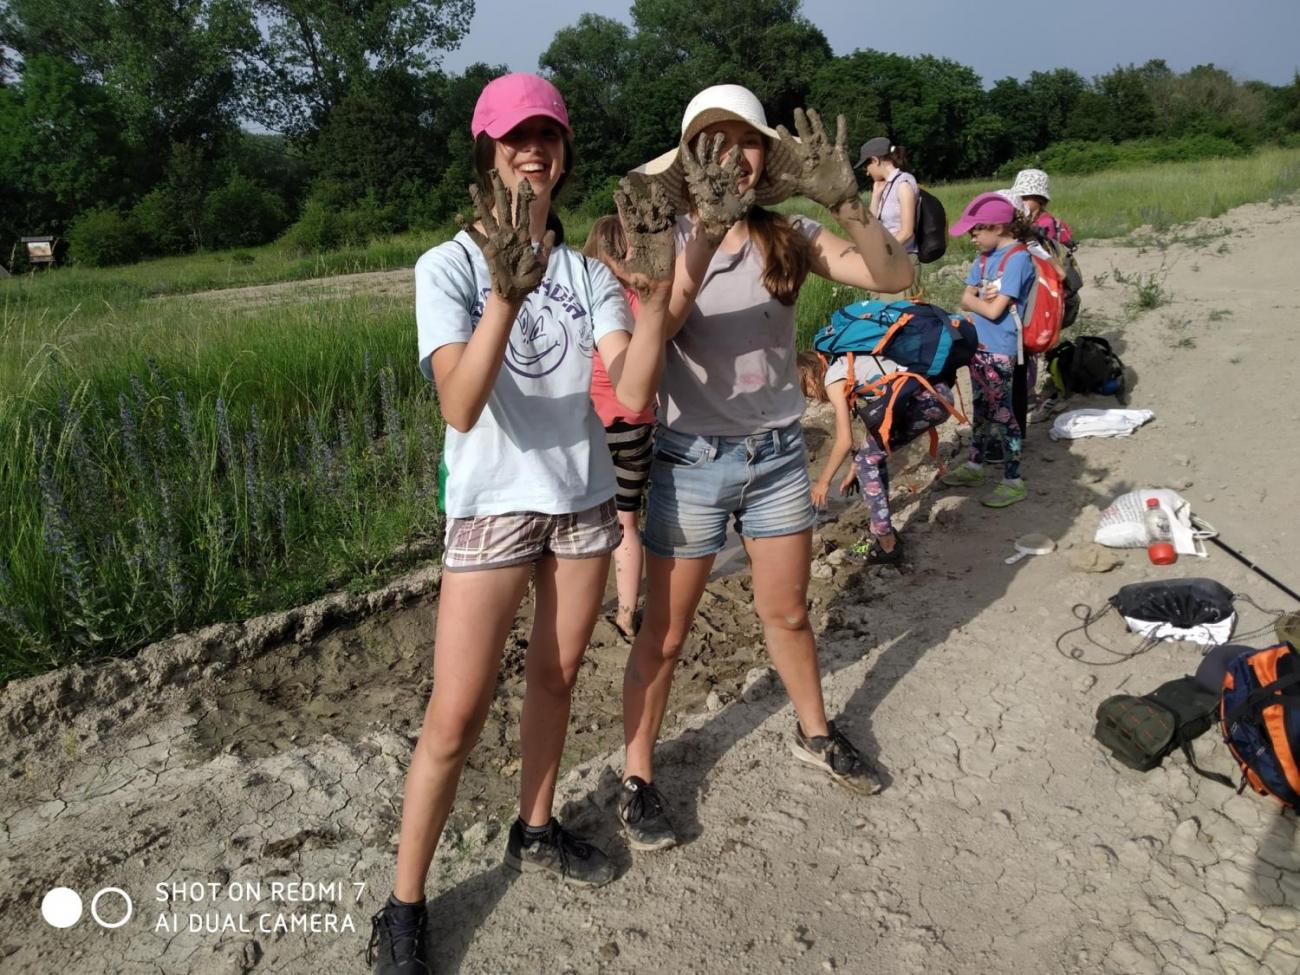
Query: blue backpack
[[927, 343], [923, 339], [1261, 720]]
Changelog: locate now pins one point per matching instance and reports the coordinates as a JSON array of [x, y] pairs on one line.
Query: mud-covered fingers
[[818, 126], [501, 200], [662, 210], [841, 133], [524, 197], [482, 209], [801, 125], [467, 225]]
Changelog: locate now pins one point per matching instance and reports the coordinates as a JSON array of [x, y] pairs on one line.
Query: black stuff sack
[[1141, 731], [1193, 609]]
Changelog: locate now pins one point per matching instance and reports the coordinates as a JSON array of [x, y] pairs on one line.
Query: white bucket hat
[[1032, 182], [719, 104], [1012, 197]]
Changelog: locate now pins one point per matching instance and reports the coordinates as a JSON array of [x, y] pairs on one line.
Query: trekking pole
[[1251, 565]]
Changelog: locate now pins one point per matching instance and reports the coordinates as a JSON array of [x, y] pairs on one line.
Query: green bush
[[321, 227], [158, 215], [241, 213], [99, 238], [1080, 158]]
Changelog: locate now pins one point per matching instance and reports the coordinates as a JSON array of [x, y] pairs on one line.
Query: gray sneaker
[[559, 852], [835, 754], [641, 808]]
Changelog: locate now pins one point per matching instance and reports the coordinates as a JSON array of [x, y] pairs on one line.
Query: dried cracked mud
[[254, 770]]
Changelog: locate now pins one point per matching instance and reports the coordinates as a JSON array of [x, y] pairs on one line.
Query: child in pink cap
[[508, 320], [999, 279]]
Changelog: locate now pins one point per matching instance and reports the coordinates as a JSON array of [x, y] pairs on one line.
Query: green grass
[[172, 463]]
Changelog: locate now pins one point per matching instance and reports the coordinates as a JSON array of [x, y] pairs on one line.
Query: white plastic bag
[[1123, 524]]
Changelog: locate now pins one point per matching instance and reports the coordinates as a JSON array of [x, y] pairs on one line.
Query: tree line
[[141, 127]]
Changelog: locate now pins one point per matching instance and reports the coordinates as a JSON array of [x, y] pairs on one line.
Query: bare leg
[[568, 598], [673, 591], [628, 561], [780, 568], [475, 611]]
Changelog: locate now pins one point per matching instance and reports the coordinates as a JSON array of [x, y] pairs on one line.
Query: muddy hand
[[711, 182], [825, 173], [506, 241], [648, 221]]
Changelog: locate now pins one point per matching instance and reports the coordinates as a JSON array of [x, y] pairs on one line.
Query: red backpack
[[1042, 310]]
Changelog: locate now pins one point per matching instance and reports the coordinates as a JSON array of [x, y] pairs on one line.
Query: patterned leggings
[[871, 463], [992, 381]]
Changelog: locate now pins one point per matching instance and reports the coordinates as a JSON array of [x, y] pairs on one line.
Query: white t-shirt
[[538, 445], [865, 369]]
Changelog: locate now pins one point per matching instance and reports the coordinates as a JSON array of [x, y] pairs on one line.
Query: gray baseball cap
[[879, 146]]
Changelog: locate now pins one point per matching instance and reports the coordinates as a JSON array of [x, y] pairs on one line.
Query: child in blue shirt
[[999, 280]]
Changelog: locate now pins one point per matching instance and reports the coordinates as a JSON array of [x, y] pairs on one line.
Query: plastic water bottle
[[1160, 549]]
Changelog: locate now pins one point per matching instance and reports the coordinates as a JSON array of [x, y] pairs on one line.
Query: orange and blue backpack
[[1260, 711]]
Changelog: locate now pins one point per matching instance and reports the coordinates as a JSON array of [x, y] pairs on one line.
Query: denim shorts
[[698, 482]]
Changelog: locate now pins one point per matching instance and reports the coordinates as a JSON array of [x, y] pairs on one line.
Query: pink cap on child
[[508, 100]]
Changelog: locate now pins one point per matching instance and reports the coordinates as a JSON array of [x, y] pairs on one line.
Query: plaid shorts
[[497, 541]]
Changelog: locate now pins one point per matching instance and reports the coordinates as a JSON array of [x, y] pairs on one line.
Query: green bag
[[1141, 731]]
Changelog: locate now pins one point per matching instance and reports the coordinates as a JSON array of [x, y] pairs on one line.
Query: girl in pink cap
[[729, 448], [508, 320], [998, 281]]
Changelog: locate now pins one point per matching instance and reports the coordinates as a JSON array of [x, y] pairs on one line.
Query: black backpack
[[1141, 731], [1086, 365], [931, 227]]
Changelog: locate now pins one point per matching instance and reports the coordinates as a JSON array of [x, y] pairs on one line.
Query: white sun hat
[[1032, 182], [721, 103], [1012, 197]]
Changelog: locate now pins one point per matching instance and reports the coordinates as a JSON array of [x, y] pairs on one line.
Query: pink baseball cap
[[508, 100], [985, 208]]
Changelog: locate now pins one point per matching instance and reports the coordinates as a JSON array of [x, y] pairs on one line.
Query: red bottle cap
[[1162, 553]]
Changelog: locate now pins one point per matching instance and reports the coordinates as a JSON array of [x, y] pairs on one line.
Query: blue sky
[[1253, 39]]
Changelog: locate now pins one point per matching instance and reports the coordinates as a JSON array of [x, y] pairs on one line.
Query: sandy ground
[[1005, 840]]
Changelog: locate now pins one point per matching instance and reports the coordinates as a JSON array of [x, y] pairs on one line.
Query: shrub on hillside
[[99, 238], [321, 227], [1079, 158], [161, 221], [242, 213]]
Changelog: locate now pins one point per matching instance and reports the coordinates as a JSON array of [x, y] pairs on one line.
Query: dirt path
[[1005, 840], [388, 283]]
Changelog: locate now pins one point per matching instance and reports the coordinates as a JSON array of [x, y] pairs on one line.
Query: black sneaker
[[397, 941], [836, 755], [641, 808], [559, 852]]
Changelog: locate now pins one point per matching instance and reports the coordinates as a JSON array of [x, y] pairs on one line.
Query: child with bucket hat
[[1000, 276], [507, 320], [729, 446], [1033, 188]]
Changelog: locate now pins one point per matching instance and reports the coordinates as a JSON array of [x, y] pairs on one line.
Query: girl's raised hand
[[825, 173], [712, 184], [648, 222], [506, 238]]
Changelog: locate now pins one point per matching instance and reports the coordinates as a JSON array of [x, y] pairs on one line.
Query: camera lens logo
[[61, 907]]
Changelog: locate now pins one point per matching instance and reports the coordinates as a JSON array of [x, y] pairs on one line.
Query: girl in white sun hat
[[729, 446], [1033, 188]]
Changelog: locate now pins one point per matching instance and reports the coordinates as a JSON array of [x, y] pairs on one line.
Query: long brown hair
[[812, 376], [606, 238], [786, 253], [485, 155]]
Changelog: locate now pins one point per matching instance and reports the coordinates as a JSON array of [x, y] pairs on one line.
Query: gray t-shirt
[[731, 370], [538, 445]]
